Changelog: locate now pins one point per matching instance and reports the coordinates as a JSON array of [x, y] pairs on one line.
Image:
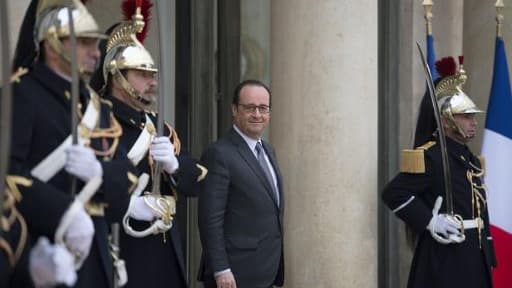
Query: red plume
[[446, 66], [129, 7]]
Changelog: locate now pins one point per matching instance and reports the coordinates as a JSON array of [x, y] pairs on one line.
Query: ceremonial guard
[[454, 247], [43, 151], [150, 243]]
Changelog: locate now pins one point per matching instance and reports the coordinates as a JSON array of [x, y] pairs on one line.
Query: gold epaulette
[[481, 158], [413, 160]]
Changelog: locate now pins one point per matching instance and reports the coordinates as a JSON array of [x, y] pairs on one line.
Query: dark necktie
[[264, 165]]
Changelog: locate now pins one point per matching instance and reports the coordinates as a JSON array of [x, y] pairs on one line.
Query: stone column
[[324, 129]]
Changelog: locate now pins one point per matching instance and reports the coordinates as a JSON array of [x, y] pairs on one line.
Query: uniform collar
[[58, 85], [459, 151], [127, 114]]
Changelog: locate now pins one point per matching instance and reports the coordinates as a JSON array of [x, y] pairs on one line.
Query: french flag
[[497, 149]]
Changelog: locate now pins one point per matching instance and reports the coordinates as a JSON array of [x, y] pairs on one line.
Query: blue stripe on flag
[[431, 57], [499, 110]]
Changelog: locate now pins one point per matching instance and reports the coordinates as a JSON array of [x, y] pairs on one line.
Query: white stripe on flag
[[497, 150]]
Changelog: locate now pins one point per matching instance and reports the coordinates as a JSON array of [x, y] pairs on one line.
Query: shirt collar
[[250, 142]]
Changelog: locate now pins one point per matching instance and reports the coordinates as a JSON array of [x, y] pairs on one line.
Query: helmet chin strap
[[453, 124], [57, 45], [118, 76], [459, 131]]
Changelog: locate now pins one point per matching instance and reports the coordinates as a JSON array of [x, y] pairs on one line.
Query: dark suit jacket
[[240, 223]]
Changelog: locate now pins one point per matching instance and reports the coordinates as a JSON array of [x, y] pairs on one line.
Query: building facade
[[347, 81]]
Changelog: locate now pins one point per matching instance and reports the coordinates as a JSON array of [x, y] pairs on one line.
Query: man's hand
[[79, 236], [225, 280], [139, 210], [82, 163], [50, 265], [444, 228], [162, 151], [443, 224]]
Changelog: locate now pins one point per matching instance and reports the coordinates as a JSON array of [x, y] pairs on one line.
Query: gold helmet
[[125, 52], [451, 99], [52, 24]]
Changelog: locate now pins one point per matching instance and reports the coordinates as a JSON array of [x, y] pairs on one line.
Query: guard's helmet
[[125, 52], [451, 99], [52, 24]]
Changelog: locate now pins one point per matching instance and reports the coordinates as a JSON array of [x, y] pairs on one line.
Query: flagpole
[[427, 7], [499, 17]]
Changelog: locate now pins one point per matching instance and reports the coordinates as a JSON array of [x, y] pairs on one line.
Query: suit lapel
[[249, 158]]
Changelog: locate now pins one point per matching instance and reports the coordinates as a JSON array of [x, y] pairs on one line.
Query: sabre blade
[[5, 117], [442, 139], [74, 84], [164, 39]]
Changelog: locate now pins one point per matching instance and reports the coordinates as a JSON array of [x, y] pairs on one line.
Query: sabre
[[442, 139], [74, 85], [162, 7], [5, 117]]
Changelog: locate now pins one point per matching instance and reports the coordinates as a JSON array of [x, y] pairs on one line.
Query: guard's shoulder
[[413, 160], [426, 146]]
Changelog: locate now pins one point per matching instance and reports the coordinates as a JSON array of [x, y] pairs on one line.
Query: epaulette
[[481, 158], [413, 160]]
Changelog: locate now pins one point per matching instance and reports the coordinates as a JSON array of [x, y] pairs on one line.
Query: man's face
[[87, 55], [468, 124], [252, 113], [145, 83]]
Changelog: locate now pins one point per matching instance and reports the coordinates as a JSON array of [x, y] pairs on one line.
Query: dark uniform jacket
[[41, 122], [240, 222], [412, 196], [150, 261], [14, 238]]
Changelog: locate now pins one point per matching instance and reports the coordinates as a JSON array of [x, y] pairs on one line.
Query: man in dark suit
[[241, 202]]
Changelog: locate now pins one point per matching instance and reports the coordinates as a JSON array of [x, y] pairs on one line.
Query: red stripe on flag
[[502, 276]]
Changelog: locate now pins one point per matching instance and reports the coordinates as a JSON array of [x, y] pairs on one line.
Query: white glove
[[444, 228], [82, 163], [50, 265], [139, 210], [79, 236], [162, 151]]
